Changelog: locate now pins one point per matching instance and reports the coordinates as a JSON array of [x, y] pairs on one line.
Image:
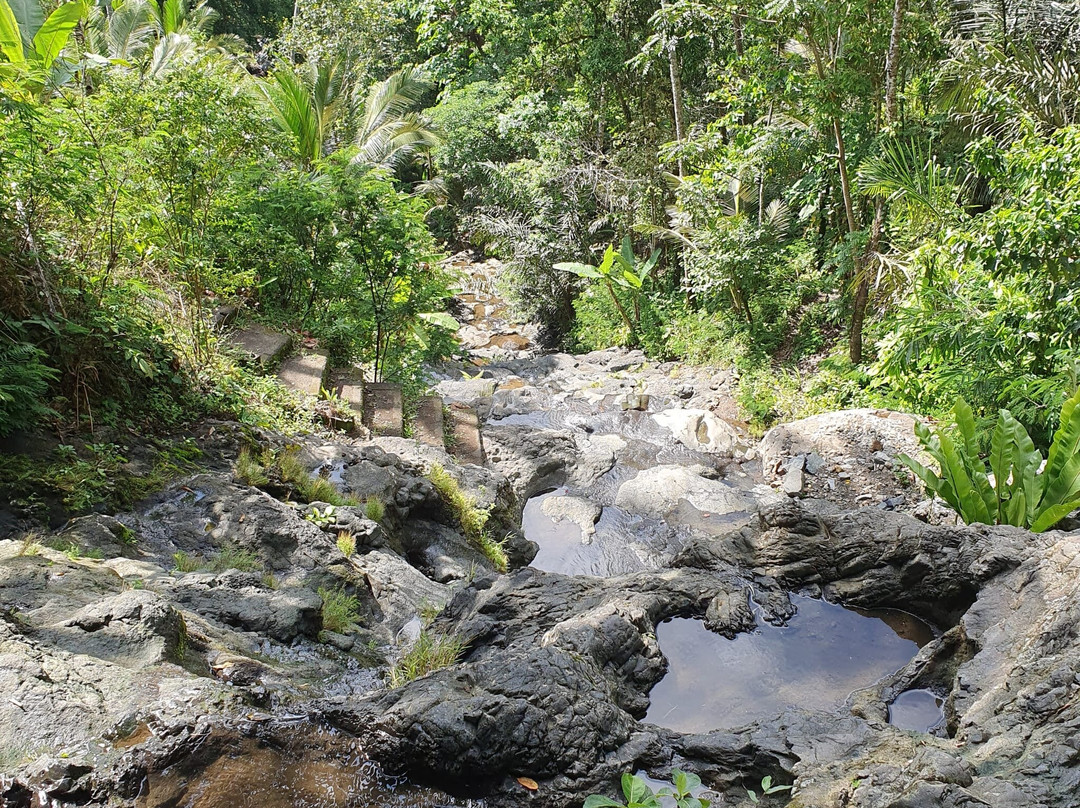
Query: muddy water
[[821, 656], [315, 769], [917, 710]]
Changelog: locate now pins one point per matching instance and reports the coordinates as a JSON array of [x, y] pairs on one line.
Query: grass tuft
[[429, 653], [251, 469], [374, 509], [183, 562], [472, 518], [231, 557], [340, 611], [346, 542]]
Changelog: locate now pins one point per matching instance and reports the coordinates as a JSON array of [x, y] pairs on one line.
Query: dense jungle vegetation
[[854, 202]]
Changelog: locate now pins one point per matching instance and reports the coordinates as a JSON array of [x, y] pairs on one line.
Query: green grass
[[74, 550], [231, 557], [346, 542], [472, 518], [340, 611], [251, 469], [374, 509], [429, 653], [184, 562]]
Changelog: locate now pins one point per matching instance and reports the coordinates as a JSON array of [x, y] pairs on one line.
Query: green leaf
[[632, 280], [600, 801], [1025, 464], [608, 262], [1052, 515], [11, 45], [929, 478], [55, 32], [30, 16], [584, 270], [626, 253], [1066, 441], [441, 319], [1001, 463], [766, 783], [636, 790]]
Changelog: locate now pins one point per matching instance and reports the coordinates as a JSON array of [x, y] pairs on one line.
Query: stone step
[[382, 409], [264, 345], [305, 373], [468, 444], [429, 421]]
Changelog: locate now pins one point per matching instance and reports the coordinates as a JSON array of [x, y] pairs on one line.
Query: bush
[[1021, 492]]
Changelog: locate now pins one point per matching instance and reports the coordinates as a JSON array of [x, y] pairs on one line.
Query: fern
[[1023, 492], [24, 383]]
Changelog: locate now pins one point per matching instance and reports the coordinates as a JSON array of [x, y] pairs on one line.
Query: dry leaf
[[528, 783]]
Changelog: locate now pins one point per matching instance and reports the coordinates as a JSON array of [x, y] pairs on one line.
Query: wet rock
[[582, 512], [658, 491], [700, 430], [399, 589]]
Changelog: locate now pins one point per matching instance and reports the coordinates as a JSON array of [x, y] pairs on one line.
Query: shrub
[[1021, 492], [429, 653]]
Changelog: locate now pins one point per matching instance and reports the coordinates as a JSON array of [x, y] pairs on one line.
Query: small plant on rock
[[1022, 492], [639, 794], [323, 518], [374, 509], [250, 469], [231, 557], [340, 611], [472, 518], [346, 543], [767, 788], [184, 562], [429, 653]]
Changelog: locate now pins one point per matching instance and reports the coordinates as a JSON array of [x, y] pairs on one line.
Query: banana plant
[[619, 268], [1012, 487], [30, 44]]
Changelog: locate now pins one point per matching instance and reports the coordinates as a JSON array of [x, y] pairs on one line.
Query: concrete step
[[305, 373], [264, 345], [429, 421], [468, 445], [382, 409]]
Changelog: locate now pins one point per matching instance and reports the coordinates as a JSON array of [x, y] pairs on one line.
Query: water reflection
[[823, 654]]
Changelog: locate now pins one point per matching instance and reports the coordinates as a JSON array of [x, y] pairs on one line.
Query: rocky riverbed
[[124, 680]]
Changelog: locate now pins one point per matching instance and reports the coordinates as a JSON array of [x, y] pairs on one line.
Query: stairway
[[379, 404]]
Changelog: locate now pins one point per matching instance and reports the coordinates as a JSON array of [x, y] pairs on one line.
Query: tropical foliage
[[1012, 486]]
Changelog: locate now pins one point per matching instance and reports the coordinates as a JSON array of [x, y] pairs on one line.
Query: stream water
[[815, 661]]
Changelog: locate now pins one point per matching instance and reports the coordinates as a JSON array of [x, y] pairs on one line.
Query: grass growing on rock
[[340, 610], [231, 557], [472, 518], [429, 653], [252, 469], [346, 542], [374, 509], [259, 469]]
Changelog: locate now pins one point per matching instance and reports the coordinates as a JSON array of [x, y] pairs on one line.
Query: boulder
[[700, 430]]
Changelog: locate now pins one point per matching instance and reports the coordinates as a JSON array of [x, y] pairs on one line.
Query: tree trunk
[[845, 183], [862, 275], [676, 94]]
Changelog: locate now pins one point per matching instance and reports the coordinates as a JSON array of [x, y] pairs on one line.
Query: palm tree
[[305, 101], [309, 101], [391, 132]]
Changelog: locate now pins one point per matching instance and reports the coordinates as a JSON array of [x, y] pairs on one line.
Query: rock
[[264, 345], [866, 441], [700, 430], [105, 534], [382, 409], [582, 512], [793, 481], [236, 600], [400, 591], [658, 491]]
